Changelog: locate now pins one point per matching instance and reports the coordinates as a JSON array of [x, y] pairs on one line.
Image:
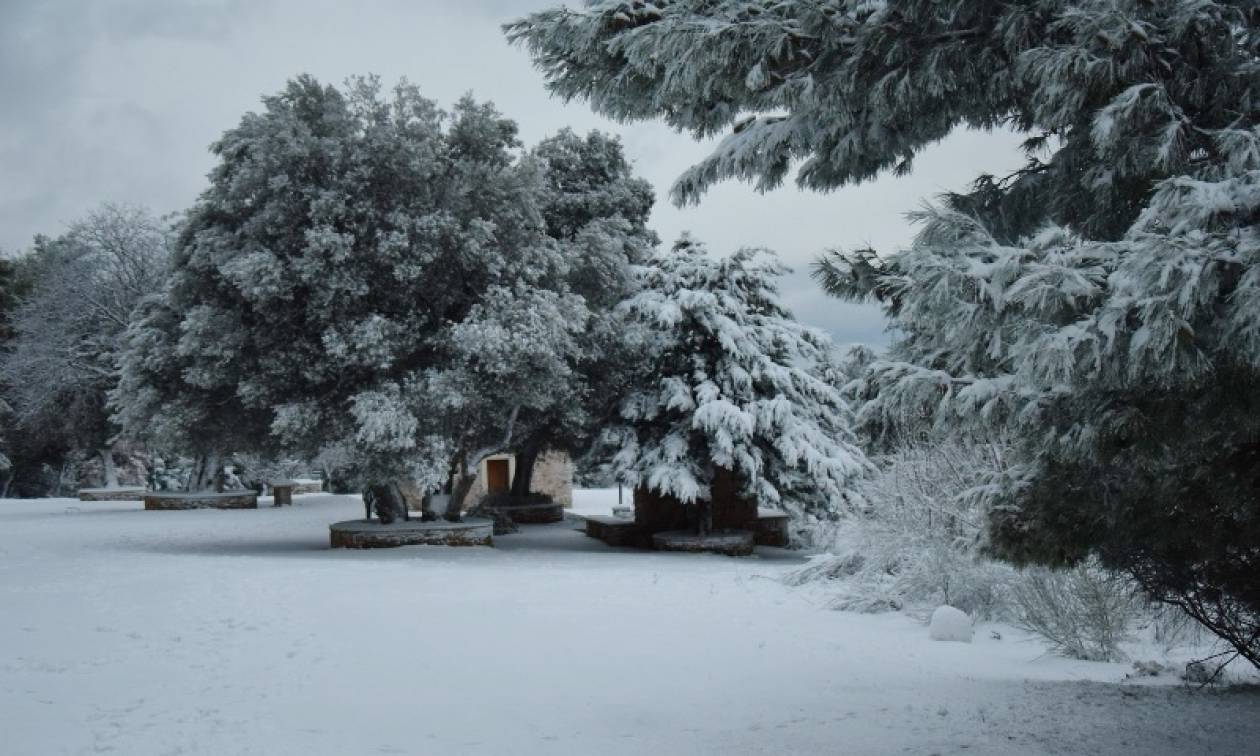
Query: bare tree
[[68, 332]]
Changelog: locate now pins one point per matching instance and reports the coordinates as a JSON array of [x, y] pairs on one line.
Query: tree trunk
[[206, 475], [704, 518], [426, 508], [523, 480], [8, 481], [406, 509], [195, 474], [388, 502], [459, 492], [107, 463], [61, 477], [217, 476]]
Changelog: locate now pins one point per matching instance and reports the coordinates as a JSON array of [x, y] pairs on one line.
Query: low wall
[[308, 486], [134, 493], [370, 534], [201, 500]]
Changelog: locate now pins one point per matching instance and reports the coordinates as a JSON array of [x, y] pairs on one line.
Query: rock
[[950, 624], [1197, 673], [503, 524]]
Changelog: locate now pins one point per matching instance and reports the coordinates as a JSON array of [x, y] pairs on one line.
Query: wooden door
[[497, 476]]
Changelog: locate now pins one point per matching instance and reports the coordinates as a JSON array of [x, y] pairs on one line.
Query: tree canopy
[[349, 249], [1101, 303]]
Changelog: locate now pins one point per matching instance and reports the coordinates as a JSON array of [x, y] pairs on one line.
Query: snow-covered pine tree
[[1113, 96], [67, 333], [324, 282], [729, 383], [1101, 301]]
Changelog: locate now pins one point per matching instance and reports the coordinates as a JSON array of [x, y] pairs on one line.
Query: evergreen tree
[[1101, 301], [729, 382], [342, 283], [596, 211]]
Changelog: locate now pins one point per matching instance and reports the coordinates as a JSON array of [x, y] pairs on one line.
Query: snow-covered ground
[[239, 632]]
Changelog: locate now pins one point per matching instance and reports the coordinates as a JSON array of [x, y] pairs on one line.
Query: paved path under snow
[[240, 632]]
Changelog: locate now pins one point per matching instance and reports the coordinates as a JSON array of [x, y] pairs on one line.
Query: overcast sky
[[117, 100]]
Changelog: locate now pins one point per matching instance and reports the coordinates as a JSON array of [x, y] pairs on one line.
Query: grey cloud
[[118, 101]]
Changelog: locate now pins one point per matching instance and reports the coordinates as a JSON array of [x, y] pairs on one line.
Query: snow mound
[[950, 624]]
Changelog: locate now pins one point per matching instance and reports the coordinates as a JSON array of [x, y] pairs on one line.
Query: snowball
[[950, 624]]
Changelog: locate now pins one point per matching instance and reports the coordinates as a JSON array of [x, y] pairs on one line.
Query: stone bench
[[371, 534], [729, 542], [282, 492], [130, 493], [534, 514], [616, 531], [201, 500], [772, 528]]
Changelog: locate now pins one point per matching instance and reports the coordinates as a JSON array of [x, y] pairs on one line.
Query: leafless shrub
[[916, 542], [1084, 613]]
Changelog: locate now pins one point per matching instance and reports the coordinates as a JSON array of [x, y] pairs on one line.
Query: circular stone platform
[[370, 534], [729, 542], [201, 500], [534, 514], [130, 493]]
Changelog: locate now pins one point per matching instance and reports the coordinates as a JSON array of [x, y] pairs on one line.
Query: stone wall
[[553, 475], [369, 534], [201, 500]]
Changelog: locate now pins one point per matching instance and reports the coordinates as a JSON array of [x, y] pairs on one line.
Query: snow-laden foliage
[[595, 210], [365, 271], [1084, 613], [1126, 92], [68, 331], [917, 542], [1100, 303], [729, 380], [1127, 370]]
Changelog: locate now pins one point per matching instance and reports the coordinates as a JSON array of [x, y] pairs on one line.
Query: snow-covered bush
[[1085, 612], [917, 542]]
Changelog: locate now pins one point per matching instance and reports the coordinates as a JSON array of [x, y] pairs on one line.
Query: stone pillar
[[282, 493]]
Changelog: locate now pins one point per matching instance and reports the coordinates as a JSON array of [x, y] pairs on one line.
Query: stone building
[[553, 475]]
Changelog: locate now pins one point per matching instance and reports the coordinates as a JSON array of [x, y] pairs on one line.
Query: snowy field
[[240, 632]]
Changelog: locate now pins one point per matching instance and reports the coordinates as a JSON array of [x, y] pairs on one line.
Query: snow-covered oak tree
[[729, 382], [67, 333], [352, 253], [1101, 302], [596, 211]]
